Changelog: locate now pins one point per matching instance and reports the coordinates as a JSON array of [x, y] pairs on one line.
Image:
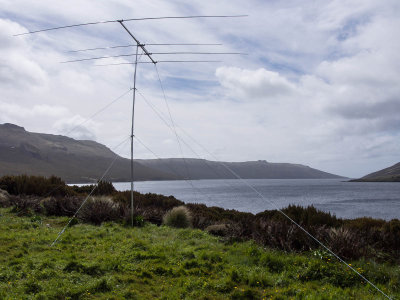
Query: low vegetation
[[225, 255], [113, 261], [351, 239]]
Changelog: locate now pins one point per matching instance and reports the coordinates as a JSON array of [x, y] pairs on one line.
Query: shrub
[[217, 229], [61, 206], [35, 185], [346, 243], [104, 188], [305, 216], [99, 209], [365, 223], [178, 217], [26, 205]]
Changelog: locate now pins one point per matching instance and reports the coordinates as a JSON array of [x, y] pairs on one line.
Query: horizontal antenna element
[[163, 61], [127, 20], [147, 44], [157, 53]]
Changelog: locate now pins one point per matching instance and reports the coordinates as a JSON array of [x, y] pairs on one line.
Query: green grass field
[[116, 262]]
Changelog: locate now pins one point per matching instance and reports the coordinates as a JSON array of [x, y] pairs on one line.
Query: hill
[[261, 169], [24, 152], [390, 174]]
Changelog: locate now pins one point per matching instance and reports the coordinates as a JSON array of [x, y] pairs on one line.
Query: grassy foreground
[[116, 262]]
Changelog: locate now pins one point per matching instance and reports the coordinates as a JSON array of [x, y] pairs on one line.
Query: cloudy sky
[[320, 85]]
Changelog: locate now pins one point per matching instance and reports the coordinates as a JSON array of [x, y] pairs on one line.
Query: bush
[[35, 185], [51, 186], [61, 206], [178, 217], [100, 209], [152, 207], [305, 216], [218, 229], [26, 205], [104, 188]]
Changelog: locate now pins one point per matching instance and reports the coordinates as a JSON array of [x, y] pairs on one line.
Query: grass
[[116, 262]]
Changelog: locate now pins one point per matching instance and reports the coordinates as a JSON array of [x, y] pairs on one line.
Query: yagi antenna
[[142, 46], [128, 20], [147, 44]]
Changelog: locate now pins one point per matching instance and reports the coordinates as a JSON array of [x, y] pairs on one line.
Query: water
[[344, 199]]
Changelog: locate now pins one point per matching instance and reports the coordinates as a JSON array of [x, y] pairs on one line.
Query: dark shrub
[[104, 188], [152, 207], [364, 224], [61, 206], [218, 229], [393, 226], [99, 209], [305, 216], [346, 242], [35, 185], [26, 205]]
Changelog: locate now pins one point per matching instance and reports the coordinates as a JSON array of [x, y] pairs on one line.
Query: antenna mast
[[138, 44]]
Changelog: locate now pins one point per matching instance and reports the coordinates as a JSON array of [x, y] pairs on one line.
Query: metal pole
[[133, 119]]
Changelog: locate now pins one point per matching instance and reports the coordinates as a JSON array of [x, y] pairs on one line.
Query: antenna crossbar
[[137, 42]]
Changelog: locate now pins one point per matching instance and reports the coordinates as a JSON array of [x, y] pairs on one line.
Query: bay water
[[344, 199]]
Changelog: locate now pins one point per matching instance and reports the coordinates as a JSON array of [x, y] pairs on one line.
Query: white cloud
[[17, 65], [77, 127], [319, 86], [256, 84]]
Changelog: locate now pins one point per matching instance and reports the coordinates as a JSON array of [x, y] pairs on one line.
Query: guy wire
[[284, 214], [173, 126], [91, 192]]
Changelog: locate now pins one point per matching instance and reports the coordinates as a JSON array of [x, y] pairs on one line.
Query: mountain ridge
[[24, 152]]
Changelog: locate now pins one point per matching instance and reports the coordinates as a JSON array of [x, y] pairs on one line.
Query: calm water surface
[[344, 199]]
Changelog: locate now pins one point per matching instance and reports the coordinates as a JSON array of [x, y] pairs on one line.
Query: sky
[[319, 86]]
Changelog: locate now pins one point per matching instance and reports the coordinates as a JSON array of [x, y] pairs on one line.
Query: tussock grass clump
[[4, 199], [178, 217]]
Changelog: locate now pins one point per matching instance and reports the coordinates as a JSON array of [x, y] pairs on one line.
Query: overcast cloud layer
[[319, 87]]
